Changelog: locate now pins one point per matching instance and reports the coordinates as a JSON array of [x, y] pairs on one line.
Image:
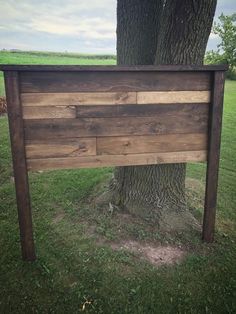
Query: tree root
[[167, 218]]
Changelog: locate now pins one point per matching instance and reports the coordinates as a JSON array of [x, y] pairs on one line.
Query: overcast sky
[[87, 26]]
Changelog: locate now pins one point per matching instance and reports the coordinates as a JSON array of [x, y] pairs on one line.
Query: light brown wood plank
[[151, 144], [115, 160], [75, 99], [47, 112], [59, 148], [113, 98], [173, 97]]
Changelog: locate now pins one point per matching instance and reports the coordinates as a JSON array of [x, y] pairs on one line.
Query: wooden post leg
[[24, 216], [213, 157], [19, 164]]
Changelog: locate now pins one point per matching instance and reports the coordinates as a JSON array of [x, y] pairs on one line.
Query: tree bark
[[137, 26], [159, 32]]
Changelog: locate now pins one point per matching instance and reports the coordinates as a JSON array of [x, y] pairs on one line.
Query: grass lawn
[[78, 271]]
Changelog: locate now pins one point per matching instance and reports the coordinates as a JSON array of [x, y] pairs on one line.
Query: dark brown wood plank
[[185, 121], [59, 82], [137, 110], [19, 165], [61, 148], [151, 144], [134, 68], [115, 160], [75, 99], [213, 157]]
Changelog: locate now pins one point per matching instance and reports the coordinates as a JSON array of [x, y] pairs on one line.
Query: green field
[[78, 270]]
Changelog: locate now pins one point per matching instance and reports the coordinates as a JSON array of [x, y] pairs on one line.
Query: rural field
[[94, 260]]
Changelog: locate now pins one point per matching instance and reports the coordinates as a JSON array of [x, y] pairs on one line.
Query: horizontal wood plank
[[113, 98], [59, 148], [116, 160], [135, 110], [151, 144], [173, 97], [75, 99], [113, 68], [51, 112], [182, 121], [60, 82]]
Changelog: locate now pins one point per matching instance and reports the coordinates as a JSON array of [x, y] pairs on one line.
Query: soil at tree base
[[3, 105]]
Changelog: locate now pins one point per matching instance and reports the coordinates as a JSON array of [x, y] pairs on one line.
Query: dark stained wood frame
[[11, 75], [213, 158], [19, 164]]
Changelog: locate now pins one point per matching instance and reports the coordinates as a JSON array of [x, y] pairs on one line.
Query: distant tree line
[[63, 54]]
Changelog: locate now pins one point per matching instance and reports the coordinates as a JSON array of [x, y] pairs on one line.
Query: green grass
[[76, 263]]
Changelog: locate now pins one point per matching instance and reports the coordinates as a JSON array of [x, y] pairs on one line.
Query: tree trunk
[[160, 32], [137, 26]]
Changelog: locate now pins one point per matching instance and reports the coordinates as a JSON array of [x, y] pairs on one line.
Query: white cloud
[[88, 20], [90, 28]]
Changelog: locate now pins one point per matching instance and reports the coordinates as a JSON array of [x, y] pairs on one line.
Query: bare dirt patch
[[58, 217], [156, 255], [195, 192], [195, 185]]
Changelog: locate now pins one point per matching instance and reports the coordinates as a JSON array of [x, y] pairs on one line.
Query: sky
[[85, 26]]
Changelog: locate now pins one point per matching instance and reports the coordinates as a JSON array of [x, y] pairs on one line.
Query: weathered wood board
[[64, 117], [110, 106]]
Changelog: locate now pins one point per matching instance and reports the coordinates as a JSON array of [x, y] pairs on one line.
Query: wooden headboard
[[64, 117]]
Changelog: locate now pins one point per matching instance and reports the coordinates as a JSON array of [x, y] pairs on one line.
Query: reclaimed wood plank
[[115, 160], [114, 68], [51, 112], [173, 97], [213, 157], [19, 165], [75, 99], [151, 144], [135, 110], [194, 121], [58, 148], [59, 82], [113, 98]]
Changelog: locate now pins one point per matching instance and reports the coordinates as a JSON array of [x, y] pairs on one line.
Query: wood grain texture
[[61, 148], [115, 160], [186, 121], [173, 97], [136, 110], [151, 144], [19, 165], [113, 68], [51, 112], [60, 82], [213, 157], [75, 99], [112, 98]]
